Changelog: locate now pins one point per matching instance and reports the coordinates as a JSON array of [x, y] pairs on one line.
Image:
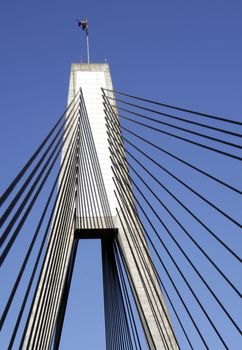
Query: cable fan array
[[39, 201], [178, 181], [193, 234], [55, 194]]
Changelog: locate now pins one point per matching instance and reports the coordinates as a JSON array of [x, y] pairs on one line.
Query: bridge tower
[[105, 209]]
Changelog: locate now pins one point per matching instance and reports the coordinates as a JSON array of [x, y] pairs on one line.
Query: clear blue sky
[[187, 53]]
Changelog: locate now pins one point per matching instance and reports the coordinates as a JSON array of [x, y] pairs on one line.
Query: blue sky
[[187, 53]]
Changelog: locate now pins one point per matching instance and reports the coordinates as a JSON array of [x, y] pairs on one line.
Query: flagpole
[[88, 50], [88, 47], [81, 51]]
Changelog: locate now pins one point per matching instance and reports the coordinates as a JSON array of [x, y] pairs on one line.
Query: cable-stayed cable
[[60, 192], [219, 335], [178, 108], [208, 137], [174, 156], [14, 289], [53, 155], [170, 116], [30, 161], [227, 154], [34, 171]]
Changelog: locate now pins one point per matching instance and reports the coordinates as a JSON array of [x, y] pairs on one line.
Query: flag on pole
[[83, 25]]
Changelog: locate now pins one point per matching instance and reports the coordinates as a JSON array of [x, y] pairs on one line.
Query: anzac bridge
[[159, 185]]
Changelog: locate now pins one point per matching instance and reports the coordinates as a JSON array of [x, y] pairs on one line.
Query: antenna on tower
[[83, 24]]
